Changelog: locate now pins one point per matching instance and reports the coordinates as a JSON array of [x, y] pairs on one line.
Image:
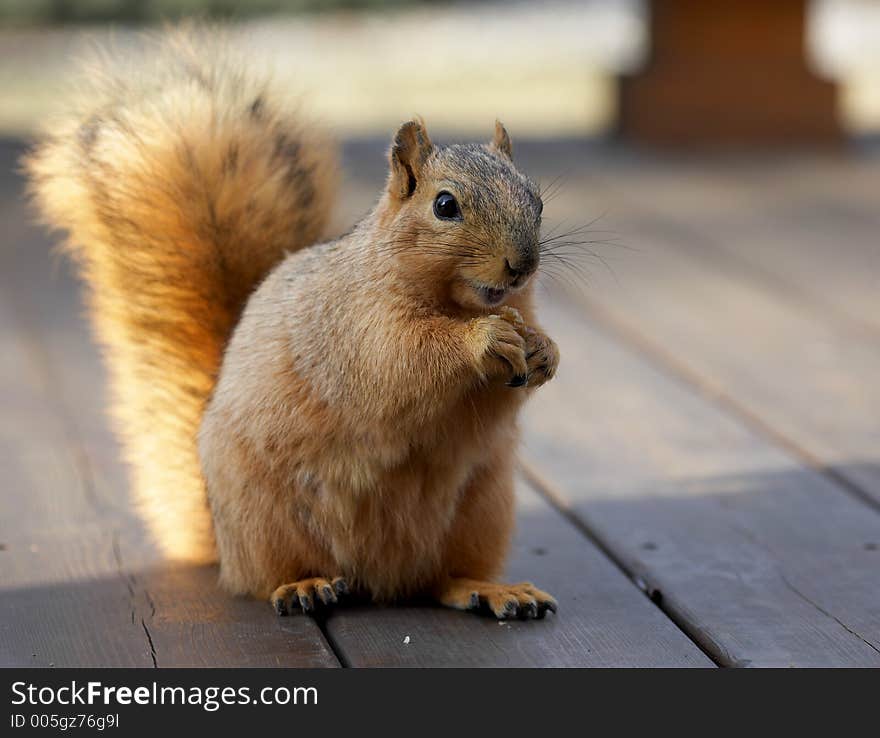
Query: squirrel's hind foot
[[308, 595], [504, 601]]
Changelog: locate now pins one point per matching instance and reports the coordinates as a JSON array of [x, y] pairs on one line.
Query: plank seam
[[658, 357], [696, 243], [131, 584], [150, 641], [335, 647], [826, 613], [542, 486]]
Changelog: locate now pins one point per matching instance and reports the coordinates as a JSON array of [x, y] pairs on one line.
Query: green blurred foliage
[[30, 12]]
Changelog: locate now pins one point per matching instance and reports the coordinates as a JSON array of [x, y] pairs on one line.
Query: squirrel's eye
[[446, 207]]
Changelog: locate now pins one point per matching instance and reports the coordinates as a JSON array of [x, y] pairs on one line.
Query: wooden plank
[[823, 236], [822, 553], [75, 601], [806, 227], [772, 358], [62, 600], [81, 585], [191, 623], [764, 561], [603, 620]]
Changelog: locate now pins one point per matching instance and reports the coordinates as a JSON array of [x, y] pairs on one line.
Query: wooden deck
[[701, 483]]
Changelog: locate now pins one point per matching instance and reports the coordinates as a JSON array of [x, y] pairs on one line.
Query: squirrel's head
[[461, 219]]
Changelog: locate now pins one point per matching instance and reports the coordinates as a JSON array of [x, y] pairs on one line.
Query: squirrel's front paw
[[501, 346], [542, 357]]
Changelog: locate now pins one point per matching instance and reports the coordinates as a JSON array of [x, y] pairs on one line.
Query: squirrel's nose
[[524, 266]]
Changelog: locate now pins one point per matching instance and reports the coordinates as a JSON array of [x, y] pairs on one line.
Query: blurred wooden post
[[728, 73]]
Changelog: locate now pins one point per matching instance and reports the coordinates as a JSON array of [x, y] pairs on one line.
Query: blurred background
[[711, 175], [547, 69]]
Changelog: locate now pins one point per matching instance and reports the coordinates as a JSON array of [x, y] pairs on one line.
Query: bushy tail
[[181, 182]]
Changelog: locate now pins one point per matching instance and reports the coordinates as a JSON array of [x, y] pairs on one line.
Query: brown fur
[[362, 430], [181, 183]]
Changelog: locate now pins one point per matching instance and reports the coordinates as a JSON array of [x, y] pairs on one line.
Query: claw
[[529, 610], [306, 603]]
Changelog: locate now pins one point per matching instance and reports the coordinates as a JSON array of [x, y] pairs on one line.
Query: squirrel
[[322, 417]]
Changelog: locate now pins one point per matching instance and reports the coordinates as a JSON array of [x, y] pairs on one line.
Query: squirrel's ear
[[501, 142], [410, 150]]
